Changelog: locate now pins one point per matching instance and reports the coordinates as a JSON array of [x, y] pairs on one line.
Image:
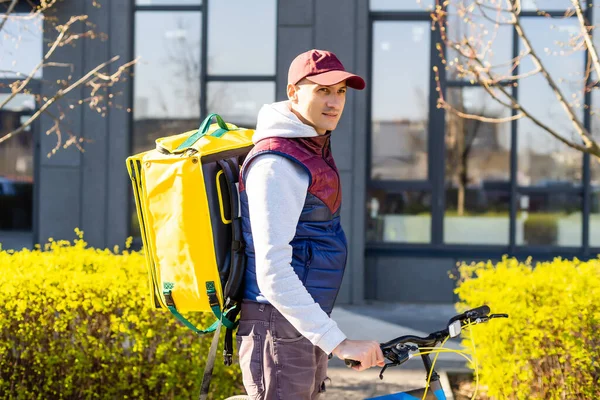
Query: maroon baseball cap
[[323, 68]]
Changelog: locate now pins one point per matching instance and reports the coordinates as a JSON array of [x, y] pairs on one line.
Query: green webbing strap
[[214, 305], [204, 126]]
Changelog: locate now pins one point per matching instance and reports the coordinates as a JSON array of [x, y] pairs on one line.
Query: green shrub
[[77, 324], [541, 229], [549, 348]]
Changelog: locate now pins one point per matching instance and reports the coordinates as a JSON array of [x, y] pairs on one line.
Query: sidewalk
[[371, 322]]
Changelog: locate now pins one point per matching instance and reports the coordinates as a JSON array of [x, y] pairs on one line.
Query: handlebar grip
[[351, 363], [479, 311]]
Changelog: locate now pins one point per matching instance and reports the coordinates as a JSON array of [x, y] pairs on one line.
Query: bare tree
[[461, 135], [97, 81], [474, 45]]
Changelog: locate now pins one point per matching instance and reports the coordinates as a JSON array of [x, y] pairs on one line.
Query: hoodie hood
[[277, 120]]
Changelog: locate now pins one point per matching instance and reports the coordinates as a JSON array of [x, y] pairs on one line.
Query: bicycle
[[401, 349]]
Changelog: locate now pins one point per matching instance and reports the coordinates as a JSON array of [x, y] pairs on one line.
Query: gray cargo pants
[[277, 362]]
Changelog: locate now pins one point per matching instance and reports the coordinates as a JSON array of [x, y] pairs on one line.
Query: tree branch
[[59, 94], [492, 8], [518, 107], [7, 13], [495, 21], [63, 32], [517, 77], [587, 37], [589, 142], [494, 120]]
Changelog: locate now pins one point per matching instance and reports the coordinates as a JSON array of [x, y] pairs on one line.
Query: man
[[296, 248]]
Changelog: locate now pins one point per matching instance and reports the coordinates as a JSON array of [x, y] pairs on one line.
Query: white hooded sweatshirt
[[276, 188]]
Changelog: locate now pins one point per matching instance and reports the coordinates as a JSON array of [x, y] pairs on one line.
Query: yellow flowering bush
[[76, 323], [549, 348]]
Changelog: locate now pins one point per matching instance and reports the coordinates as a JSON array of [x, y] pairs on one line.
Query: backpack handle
[[203, 129]]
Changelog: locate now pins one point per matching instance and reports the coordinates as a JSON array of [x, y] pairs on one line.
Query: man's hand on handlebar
[[367, 352]]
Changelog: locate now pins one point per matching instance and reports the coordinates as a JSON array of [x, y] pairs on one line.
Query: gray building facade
[[411, 209]]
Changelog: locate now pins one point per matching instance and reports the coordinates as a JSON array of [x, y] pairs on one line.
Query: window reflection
[[21, 46], [492, 41], [543, 159], [595, 121], [237, 43], [239, 102], [548, 5], [403, 217], [167, 78], [477, 169], [549, 219], [399, 107], [404, 5], [595, 216], [167, 2], [16, 165]]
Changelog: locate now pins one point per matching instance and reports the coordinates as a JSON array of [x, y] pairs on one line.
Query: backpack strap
[[228, 341], [238, 248], [214, 305], [210, 364], [238, 256]]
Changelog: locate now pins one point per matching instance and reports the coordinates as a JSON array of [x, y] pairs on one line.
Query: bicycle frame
[[435, 391]]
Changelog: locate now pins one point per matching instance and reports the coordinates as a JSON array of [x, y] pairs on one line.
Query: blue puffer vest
[[319, 247]]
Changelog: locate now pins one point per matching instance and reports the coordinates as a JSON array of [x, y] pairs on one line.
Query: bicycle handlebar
[[391, 349], [479, 312]]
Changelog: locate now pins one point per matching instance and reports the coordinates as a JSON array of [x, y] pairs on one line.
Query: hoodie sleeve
[[276, 188]]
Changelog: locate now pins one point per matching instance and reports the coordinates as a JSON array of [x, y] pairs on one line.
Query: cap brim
[[334, 77]]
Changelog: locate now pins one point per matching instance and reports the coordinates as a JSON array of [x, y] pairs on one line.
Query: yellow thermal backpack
[[187, 201]]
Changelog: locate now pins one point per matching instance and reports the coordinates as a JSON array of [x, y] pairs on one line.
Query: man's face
[[316, 105]]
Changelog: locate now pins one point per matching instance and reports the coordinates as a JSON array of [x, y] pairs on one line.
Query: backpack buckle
[[169, 299], [213, 300], [227, 358]]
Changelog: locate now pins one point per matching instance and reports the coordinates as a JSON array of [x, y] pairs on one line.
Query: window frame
[[35, 86], [436, 163], [205, 78]]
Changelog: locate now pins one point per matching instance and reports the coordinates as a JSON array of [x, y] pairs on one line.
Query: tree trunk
[[462, 185], [461, 172]]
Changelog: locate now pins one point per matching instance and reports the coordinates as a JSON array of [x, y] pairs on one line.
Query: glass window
[[595, 173], [239, 102], [16, 165], [477, 169], [167, 77], [237, 43], [492, 41], [398, 217], [595, 36], [400, 100], [548, 5], [595, 120], [167, 2], [399, 5], [595, 217], [21, 46], [549, 219], [542, 159]]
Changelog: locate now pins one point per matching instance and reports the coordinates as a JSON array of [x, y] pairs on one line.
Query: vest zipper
[[337, 194], [309, 259]]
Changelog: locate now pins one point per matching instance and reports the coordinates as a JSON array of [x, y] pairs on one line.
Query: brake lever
[[397, 355], [383, 370]]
